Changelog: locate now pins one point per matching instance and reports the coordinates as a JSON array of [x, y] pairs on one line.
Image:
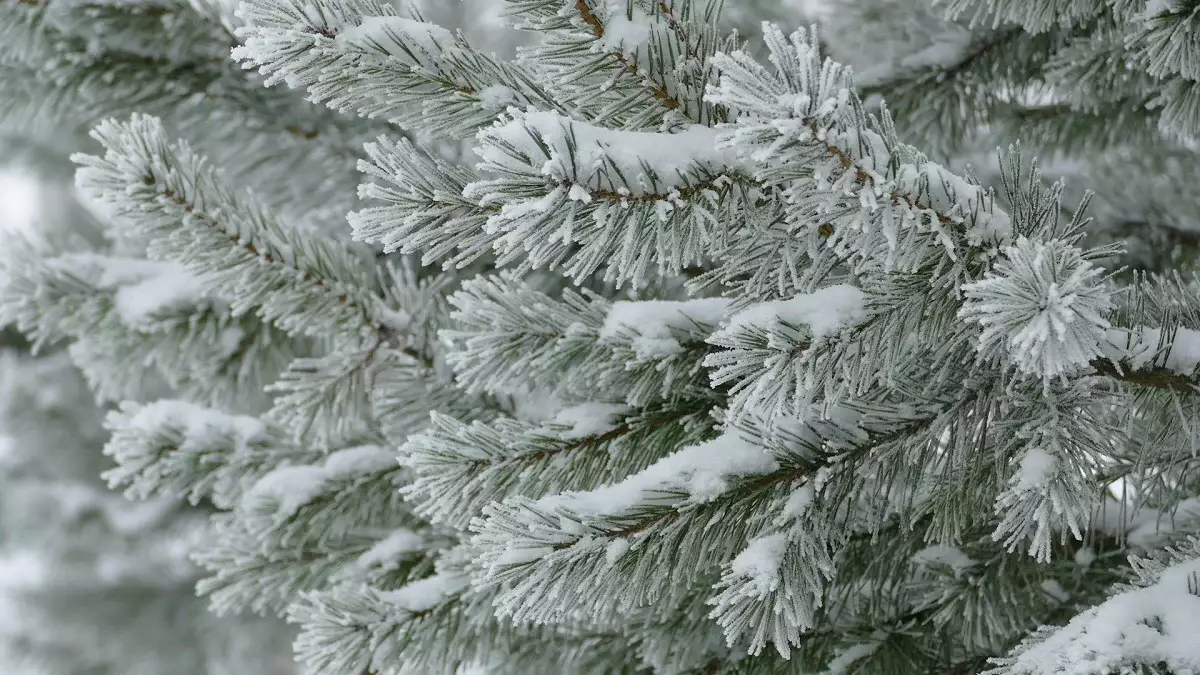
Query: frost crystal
[[1043, 306]]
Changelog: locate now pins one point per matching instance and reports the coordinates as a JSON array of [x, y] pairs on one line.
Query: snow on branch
[[622, 60], [766, 348], [132, 321], [598, 163], [654, 328], [805, 130], [279, 494], [359, 55], [578, 340], [1141, 627], [170, 195], [565, 188], [422, 209], [601, 534], [179, 449], [459, 468]]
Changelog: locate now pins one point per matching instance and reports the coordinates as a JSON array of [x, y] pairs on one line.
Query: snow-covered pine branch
[[176, 449], [504, 330], [459, 469], [634, 64], [563, 188], [166, 193], [360, 56], [134, 322]]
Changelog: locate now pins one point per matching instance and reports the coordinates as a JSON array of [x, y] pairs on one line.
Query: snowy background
[[19, 196]]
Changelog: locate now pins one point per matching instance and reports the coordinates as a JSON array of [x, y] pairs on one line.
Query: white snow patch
[[623, 33], [942, 555], [173, 288], [1085, 556], [638, 163], [359, 460], [700, 470], [426, 594], [656, 324], [284, 490], [825, 312], [849, 656], [940, 190], [143, 289], [496, 97], [589, 419], [386, 551], [416, 43], [200, 426], [1148, 347], [759, 562], [1156, 624], [1037, 467], [1055, 590], [798, 502], [615, 549]]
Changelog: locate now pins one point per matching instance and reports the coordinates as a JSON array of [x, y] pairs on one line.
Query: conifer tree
[[714, 359]]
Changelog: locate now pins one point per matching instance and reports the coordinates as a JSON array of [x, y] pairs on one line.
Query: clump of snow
[[841, 663], [631, 163], [173, 288], [1037, 467], [700, 470], [798, 502], [423, 595], [589, 419], [1055, 590], [615, 549], [946, 49], [656, 324], [359, 460], [936, 188], [284, 490], [496, 97], [624, 33], [759, 562], [1085, 556], [942, 555], [1148, 347], [1151, 625], [200, 426], [519, 555], [143, 289], [386, 551], [416, 43], [825, 312]]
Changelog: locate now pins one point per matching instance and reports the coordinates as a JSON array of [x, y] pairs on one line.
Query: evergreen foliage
[[717, 357]]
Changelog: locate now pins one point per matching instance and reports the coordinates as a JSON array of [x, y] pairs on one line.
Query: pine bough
[[817, 404]]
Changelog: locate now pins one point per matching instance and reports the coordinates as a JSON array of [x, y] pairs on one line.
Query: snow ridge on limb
[[580, 197], [135, 320], [360, 56], [1147, 623], [459, 469], [177, 448], [507, 336]]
